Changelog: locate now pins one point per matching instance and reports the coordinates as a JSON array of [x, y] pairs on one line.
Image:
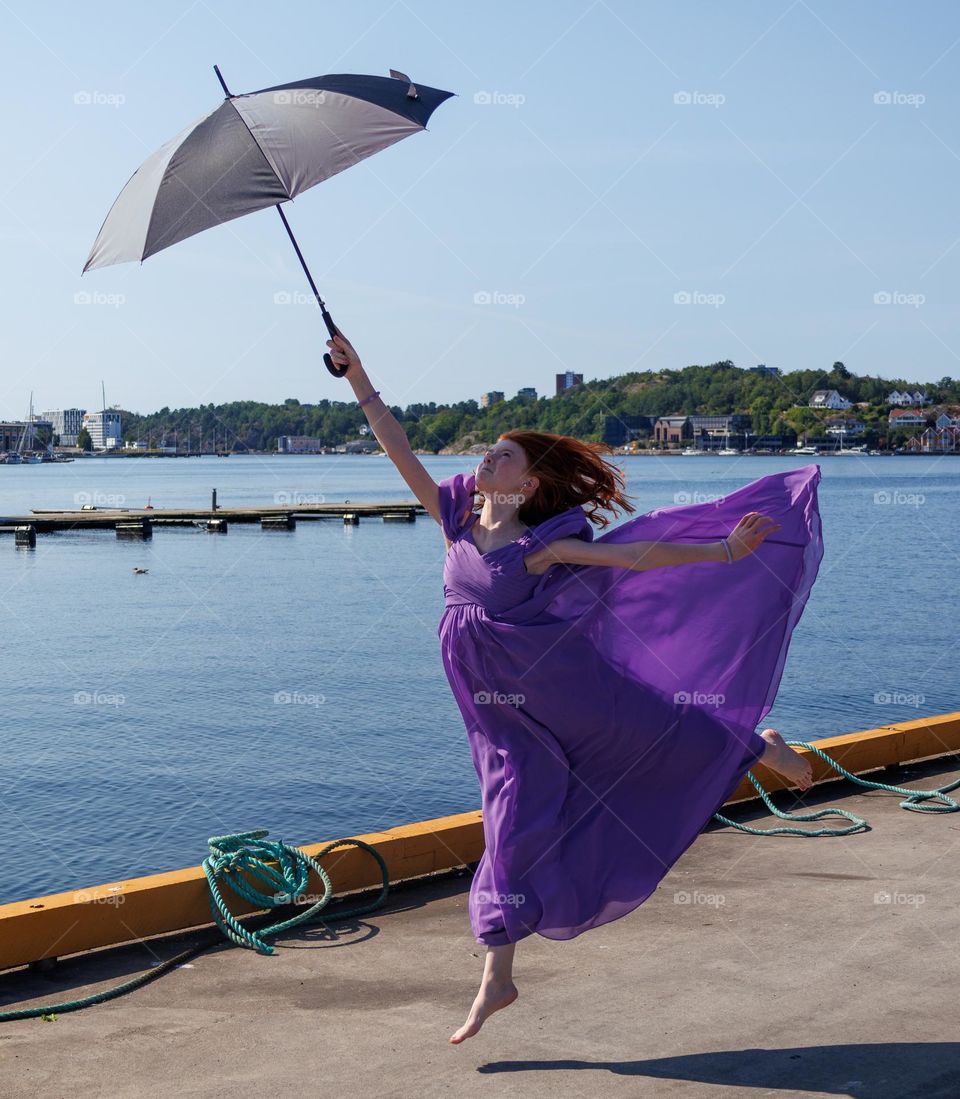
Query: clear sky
[[790, 169]]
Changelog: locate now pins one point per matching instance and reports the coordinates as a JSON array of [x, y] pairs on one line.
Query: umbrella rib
[[198, 199]]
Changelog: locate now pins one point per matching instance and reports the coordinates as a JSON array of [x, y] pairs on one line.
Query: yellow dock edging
[[141, 908]]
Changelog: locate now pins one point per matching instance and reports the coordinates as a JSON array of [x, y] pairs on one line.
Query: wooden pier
[[130, 521]]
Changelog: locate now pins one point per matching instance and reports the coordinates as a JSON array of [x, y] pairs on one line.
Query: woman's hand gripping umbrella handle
[[336, 371]]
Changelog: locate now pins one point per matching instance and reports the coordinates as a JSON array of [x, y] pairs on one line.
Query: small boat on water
[[25, 458]]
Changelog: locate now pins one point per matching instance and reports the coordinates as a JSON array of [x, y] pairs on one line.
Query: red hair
[[570, 472]]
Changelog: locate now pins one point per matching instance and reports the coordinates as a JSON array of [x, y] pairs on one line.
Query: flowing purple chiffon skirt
[[610, 713]]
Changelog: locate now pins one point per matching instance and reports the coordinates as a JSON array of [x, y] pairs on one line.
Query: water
[[292, 680]]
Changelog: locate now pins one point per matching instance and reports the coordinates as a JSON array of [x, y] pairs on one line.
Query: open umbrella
[[257, 150]]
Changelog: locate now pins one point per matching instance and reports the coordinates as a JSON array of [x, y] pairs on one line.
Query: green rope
[[229, 857], [288, 880], [912, 802]]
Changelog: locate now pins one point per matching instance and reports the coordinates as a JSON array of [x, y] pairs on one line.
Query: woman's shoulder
[[456, 502]]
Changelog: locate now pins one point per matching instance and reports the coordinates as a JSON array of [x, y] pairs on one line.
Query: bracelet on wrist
[[723, 542], [375, 393]]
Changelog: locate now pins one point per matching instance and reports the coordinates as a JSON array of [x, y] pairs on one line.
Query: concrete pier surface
[[762, 966]]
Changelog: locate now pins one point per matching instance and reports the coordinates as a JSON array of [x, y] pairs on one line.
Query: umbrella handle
[[336, 371]]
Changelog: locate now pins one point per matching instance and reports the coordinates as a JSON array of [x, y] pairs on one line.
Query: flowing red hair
[[570, 472]]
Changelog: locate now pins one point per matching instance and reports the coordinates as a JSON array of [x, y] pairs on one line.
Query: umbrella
[[257, 150]]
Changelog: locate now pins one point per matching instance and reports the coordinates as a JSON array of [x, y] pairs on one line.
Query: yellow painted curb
[[141, 908]]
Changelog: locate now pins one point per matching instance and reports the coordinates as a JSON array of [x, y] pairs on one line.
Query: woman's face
[[504, 469]]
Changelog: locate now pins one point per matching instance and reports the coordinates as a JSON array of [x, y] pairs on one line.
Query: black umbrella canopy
[[256, 150]]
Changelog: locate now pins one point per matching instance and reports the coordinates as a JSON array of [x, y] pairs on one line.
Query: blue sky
[[789, 169]]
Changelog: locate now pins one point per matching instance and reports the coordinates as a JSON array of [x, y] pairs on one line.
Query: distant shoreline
[[113, 455]]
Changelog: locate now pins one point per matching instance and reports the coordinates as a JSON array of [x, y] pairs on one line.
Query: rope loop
[[913, 800]]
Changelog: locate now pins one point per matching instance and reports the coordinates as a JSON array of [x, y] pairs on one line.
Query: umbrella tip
[[223, 83], [412, 92]]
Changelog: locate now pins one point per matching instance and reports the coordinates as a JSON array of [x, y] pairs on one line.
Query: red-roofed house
[[905, 417]]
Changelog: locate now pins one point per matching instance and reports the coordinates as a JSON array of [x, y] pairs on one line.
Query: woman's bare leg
[[497, 990], [783, 759]]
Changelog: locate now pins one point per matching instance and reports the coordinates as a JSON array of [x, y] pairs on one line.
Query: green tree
[[760, 410], [83, 439]]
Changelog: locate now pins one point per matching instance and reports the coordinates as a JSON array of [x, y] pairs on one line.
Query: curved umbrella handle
[[336, 371]]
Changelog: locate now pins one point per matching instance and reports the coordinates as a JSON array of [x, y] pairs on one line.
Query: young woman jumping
[[610, 698]]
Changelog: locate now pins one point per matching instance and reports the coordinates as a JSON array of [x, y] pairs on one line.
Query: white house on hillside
[[840, 425], [918, 396], [828, 398]]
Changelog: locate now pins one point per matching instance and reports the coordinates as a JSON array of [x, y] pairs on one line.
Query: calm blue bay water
[[183, 737]]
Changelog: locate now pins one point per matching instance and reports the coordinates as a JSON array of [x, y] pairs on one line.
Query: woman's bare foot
[[492, 996], [780, 757]]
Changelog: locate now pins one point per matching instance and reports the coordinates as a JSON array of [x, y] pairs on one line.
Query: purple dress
[[610, 713]]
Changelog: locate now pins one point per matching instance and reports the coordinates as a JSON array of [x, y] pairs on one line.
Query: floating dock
[[46, 521]]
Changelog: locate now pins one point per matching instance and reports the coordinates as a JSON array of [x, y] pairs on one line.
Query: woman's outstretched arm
[[749, 533], [388, 431]]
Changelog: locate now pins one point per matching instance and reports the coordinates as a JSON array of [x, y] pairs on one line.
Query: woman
[[610, 698]]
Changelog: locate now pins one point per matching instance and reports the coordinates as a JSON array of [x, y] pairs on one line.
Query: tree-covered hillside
[[776, 404]]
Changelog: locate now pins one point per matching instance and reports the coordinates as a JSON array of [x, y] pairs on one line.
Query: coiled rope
[[284, 869], [913, 801]]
